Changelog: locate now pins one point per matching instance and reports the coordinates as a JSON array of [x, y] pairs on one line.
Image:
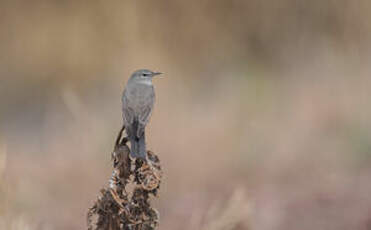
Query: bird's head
[[144, 74]]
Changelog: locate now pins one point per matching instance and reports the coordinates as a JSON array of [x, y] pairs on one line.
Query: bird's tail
[[138, 147]]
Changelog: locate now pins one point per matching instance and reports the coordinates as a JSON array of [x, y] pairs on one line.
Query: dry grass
[[228, 216]]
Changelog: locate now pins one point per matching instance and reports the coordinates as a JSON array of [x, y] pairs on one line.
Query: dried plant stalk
[[125, 204]]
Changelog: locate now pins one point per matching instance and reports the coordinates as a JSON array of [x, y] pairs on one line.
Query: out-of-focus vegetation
[[271, 97]]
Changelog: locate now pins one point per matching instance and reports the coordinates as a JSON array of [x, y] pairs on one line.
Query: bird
[[138, 99]]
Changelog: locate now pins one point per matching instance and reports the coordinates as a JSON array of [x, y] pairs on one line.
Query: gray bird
[[137, 104]]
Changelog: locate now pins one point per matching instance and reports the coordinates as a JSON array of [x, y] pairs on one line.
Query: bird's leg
[[124, 141], [118, 139]]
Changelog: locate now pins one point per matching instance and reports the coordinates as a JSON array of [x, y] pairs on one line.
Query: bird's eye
[[145, 74]]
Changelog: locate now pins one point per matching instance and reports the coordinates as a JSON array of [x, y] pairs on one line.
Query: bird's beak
[[156, 73]]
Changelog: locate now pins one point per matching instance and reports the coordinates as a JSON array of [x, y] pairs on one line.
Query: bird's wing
[[127, 112], [143, 120], [144, 115]]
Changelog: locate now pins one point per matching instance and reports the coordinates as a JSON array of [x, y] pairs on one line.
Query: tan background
[[262, 119]]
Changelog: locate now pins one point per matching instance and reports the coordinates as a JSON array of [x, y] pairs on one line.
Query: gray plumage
[[137, 104]]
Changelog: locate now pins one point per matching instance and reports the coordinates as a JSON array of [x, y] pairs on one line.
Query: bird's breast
[[140, 95]]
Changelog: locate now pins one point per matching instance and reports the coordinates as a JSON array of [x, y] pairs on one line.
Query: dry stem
[[125, 205]]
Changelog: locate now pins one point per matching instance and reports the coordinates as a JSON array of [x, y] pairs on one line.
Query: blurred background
[[262, 119]]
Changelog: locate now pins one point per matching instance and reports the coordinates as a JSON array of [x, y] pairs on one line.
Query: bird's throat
[[145, 82]]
